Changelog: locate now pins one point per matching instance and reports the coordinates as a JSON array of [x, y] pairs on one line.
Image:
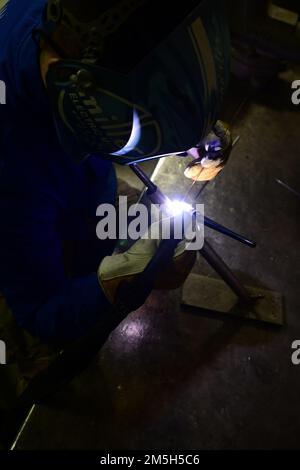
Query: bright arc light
[[177, 207], [213, 146], [134, 137]]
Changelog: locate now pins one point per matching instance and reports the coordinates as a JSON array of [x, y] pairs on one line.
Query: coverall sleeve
[[32, 274]]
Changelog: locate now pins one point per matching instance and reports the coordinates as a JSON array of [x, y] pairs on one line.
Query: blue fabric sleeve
[[32, 272], [45, 198]]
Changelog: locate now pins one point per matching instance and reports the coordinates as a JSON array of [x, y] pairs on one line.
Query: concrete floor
[[167, 379]]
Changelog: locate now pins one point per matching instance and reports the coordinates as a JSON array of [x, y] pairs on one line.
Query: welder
[[90, 83]]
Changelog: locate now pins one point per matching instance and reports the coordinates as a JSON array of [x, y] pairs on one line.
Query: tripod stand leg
[[224, 272]]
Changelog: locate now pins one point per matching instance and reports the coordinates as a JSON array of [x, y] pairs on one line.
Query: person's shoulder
[[15, 14], [18, 18], [18, 51]]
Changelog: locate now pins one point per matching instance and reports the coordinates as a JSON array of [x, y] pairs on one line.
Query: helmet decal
[[159, 95]]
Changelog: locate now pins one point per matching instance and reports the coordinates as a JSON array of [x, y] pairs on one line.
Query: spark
[[177, 207]]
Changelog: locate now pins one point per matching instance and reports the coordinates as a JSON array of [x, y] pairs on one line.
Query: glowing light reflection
[[134, 137], [177, 207]]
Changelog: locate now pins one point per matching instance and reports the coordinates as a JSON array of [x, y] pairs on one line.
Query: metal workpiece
[[251, 304], [229, 233], [156, 196], [216, 262]]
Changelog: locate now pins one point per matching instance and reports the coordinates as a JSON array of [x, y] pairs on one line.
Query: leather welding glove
[[125, 268], [211, 154]]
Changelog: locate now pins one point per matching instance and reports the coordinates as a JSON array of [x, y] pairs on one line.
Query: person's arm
[[56, 309], [32, 275]]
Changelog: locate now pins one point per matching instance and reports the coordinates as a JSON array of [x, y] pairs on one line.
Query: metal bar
[[155, 195], [226, 274], [229, 233], [143, 177], [286, 186], [13, 446]]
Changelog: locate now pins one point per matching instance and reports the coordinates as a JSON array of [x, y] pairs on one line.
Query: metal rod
[[224, 272], [229, 233], [13, 446], [286, 186], [143, 177], [155, 195]]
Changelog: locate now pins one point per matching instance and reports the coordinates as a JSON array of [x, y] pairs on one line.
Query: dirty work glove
[[211, 154], [124, 277]]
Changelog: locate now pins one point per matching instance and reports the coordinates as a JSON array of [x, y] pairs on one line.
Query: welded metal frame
[[156, 196]]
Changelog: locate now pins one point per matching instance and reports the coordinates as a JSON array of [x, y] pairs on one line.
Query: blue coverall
[[45, 198]]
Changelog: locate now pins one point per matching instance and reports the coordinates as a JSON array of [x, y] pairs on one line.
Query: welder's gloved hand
[[124, 270], [211, 154]]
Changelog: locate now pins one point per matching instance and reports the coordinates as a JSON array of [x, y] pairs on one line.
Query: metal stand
[[205, 294], [216, 262], [157, 197]]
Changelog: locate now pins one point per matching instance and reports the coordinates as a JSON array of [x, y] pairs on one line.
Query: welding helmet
[[141, 83]]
